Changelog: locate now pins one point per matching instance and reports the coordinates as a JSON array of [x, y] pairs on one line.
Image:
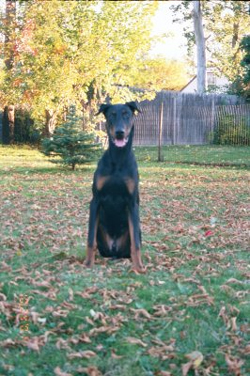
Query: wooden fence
[[189, 119]]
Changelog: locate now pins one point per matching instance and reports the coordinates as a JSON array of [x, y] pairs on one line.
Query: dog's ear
[[103, 109], [133, 106]]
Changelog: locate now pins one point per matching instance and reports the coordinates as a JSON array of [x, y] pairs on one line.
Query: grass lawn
[[188, 315]]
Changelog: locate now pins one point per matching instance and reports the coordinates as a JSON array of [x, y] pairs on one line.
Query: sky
[[173, 47]]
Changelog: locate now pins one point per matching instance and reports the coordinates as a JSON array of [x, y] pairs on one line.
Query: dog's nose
[[119, 134]]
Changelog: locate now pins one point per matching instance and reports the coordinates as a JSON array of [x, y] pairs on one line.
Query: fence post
[[174, 121], [212, 121], [160, 157]]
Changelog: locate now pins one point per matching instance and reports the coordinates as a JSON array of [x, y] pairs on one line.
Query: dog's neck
[[119, 155]]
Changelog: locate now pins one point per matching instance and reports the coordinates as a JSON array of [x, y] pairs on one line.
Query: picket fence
[[187, 119]]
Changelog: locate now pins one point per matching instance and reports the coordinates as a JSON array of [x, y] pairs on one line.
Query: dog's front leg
[[93, 224], [134, 232]]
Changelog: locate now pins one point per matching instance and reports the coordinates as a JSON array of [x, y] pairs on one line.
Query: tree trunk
[[49, 129], [8, 124], [9, 45], [201, 48], [235, 34]]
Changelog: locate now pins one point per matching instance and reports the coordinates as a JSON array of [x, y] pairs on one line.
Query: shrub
[[24, 126], [230, 131]]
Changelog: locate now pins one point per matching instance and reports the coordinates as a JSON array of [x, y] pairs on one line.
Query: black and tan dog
[[114, 225]]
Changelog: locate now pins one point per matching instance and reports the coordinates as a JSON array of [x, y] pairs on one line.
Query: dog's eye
[[125, 114]]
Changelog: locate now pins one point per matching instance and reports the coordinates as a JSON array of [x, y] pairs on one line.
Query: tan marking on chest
[[100, 181], [130, 183]]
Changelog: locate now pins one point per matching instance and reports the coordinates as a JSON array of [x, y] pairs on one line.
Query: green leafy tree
[[70, 143], [225, 23], [244, 80]]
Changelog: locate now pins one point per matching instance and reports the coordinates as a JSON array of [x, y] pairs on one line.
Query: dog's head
[[119, 121]]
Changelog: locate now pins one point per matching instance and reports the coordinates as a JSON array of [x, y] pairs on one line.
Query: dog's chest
[[115, 185]]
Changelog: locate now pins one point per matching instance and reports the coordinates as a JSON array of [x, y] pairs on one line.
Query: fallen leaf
[[186, 367], [90, 371], [82, 354], [2, 296], [141, 312], [7, 343], [135, 341], [84, 338], [104, 329], [233, 324], [160, 351], [195, 358], [62, 344], [115, 356], [234, 365], [33, 343], [59, 372], [71, 294]]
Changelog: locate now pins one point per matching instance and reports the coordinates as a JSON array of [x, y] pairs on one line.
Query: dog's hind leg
[[135, 239], [92, 243]]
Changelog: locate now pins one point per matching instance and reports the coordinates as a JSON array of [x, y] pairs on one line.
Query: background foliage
[[225, 24]]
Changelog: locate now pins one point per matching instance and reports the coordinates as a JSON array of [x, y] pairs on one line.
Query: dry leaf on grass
[[140, 312], [60, 313], [115, 356], [62, 344], [82, 354], [7, 343], [103, 329], [71, 294], [33, 343], [59, 372], [161, 310], [234, 327], [234, 365], [3, 297], [135, 341], [195, 358], [90, 371], [161, 351], [84, 338]]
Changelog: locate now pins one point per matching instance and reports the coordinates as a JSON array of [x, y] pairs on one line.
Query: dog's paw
[[88, 264], [138, 269]]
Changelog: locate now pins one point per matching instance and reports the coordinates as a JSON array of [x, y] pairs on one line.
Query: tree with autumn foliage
[[160, 74], [75, 52]]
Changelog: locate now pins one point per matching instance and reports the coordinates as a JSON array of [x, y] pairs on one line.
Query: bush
[[230, 131], [23, 131], [23, 126], [70, 143]]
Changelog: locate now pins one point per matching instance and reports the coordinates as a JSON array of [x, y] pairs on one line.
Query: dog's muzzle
[[120, 143]]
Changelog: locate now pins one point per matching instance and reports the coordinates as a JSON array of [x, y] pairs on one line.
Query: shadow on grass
[[47, 170]]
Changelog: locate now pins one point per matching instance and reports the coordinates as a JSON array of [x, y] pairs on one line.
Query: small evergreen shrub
[[70, 143]]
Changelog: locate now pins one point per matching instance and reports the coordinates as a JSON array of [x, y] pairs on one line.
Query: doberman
[[114, 224]]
